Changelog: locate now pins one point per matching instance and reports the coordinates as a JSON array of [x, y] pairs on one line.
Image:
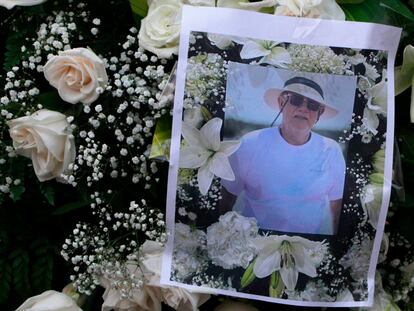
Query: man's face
[[297, 114]]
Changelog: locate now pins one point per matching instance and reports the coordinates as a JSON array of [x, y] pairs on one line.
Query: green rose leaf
[[139, 8]]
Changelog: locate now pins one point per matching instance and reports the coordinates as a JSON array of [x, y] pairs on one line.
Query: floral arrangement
[[86, 88]]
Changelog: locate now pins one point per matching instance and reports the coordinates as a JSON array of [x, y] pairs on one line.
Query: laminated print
[[278, 186]]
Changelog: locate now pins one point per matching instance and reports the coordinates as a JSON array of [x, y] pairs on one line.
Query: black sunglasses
[[297, 101]]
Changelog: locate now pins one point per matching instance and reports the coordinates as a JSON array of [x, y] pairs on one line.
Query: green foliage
[[48, 191], [392, 12], [13, 51], [64, 209], [139, 8], [42, 267], [16, 192], [20, 266], [5, 279]]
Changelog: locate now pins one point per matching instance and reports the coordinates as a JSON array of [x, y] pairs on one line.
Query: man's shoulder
[[258, 135]]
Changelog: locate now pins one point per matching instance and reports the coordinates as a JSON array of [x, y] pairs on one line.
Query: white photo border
[[295, 30]]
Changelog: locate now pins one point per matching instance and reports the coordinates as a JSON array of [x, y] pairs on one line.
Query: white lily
[[284, 254], [404, 76], [269, 51], [207, 152], [376, 104]]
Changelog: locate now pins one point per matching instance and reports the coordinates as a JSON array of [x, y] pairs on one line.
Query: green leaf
[[375, 11], [42, 268], [160, 148], [248, 275], [276, 285], [13, 53], [48, 191], [20, 267], [16, 192], [52, 101], [70, 207], [398, 7], [139, 7], [5, 280]]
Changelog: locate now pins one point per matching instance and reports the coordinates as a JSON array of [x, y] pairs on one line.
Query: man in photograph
[[288, 177]]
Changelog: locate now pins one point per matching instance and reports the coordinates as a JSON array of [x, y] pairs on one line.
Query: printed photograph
[[279, 184]]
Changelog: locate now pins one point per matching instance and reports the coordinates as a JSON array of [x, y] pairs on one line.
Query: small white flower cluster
[[189, 252], [357, 259], [213, 281], [188, 194], [106, 250], [230, 241], [205, 79], [316, 59]]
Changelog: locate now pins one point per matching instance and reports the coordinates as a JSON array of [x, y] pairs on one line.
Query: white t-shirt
[[286, 187]]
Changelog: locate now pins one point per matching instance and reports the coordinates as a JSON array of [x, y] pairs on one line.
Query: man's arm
[[336, 206], [227, 201]]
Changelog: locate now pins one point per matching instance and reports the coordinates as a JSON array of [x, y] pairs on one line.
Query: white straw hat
[[304, 87]]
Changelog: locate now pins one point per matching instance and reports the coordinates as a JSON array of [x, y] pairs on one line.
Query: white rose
[[327, 9], [76, 74], [49, 301], [160, 29], [9, 4], [44, 138]]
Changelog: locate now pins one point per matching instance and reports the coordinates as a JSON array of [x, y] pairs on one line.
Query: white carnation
[[229, 241]]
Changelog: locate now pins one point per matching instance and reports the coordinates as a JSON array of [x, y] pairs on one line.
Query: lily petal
[[210, 134], [220, 166], [289, 277], [193, 156], [229, 147], [370, 120], [191, 134], [253, 49], [204, 178], [266, 263], [278, 57]]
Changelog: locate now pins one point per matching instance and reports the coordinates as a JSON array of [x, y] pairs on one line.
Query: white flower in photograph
[[76, 74], [376, 104], [9, 4], [205, 151], [371, 199], [269, 51], [326, 9], [230, 240], [188, 239], [246, 4], [45, 139], [284, 254], [189, 250], [221, 41], [160, 29], [316, 59], [49, 301], [357, 259], [193, 116]]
